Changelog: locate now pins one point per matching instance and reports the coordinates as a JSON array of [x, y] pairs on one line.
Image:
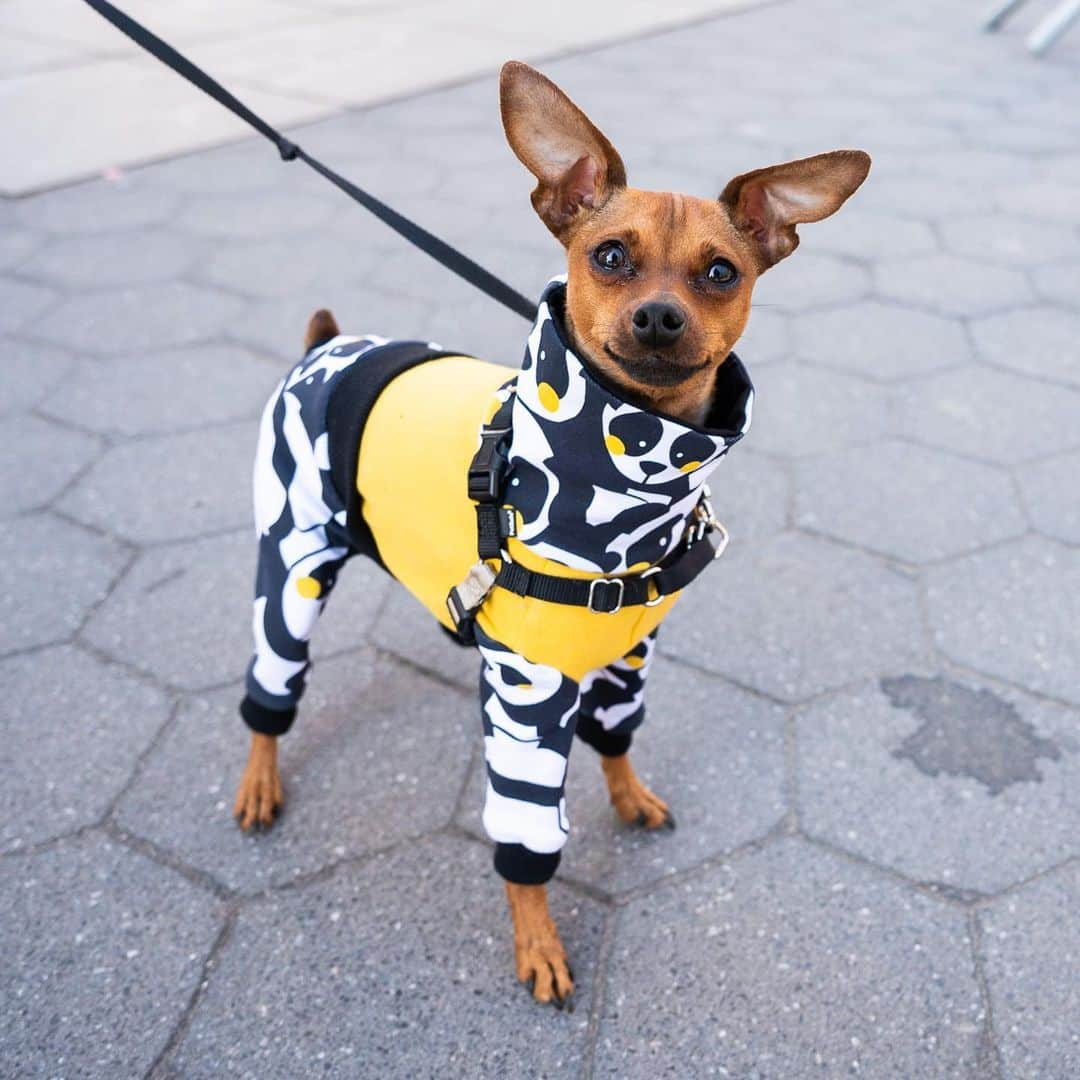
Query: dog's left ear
[[767, 204], [577, 168]]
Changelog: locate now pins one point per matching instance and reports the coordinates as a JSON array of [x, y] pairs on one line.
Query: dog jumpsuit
[[365, 447]]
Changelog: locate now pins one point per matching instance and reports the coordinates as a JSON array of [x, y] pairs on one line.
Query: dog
[[586, 497]]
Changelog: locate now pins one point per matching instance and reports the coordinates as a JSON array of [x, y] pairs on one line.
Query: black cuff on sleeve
[[605, 743], [518, 864], [266, 721]]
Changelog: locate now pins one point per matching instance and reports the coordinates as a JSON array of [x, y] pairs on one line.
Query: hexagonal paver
[[58, 455], [59, 724], [172, 487], [1053, 199], [807, 281], [402, 966], [928, 198], [803, 410], [863, 235], [713, 752], [16, 246], [992, 775], [1040, 341], [751, 495], [102, 952], [987, 414], [239, 215], [1046, 489], [206, 587], [139, 318], [992, 612], [952, 285], [207, 384], [377, 754], [1030, 945], [906, 501], [767, 337], [880, 341], [1059, 281], [120, 258], [790, 962], [22, 303], [31, 371], [55, 573], [793, 616], [98, 207], [1009, 241]]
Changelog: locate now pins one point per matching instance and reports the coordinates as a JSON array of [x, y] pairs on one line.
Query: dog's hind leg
[[612, 708]]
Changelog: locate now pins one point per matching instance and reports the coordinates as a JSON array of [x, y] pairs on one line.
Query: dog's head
[[659, 284]]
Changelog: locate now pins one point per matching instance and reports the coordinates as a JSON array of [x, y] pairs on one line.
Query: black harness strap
[[439, 250]]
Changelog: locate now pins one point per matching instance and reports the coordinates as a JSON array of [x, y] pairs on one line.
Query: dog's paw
[[539, 956], [633, 801], [259, 797]]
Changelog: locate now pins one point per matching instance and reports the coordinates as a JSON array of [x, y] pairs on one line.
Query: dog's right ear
[[577, 168]]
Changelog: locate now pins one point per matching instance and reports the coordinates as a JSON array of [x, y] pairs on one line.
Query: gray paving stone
[[128, 257], [988, 414], [952, 285], [713, 752], [24, 306], [205, 589], [927, 199], [1009, 241], [862, 235], [767, 337], [1059, 281], [789, 962], [751, 495], [1053, 199], [102, 950], [1039, 341], [16, 246], [802, 410], [58, 455], [808, 280], [171, 487], [30, 371], [794, 616], [377, 755], [207, 384], [239, 215], [73, 729], [140, 318], [1048, 490], [992, 612], [55, 573], [906, 501], [879, 341], [98, 206], [1030, 945], [991, 774], [407, 971]]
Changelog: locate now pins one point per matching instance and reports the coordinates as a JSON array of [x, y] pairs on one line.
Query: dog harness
[[365, 448]]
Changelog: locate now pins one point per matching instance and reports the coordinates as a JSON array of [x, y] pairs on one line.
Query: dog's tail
[[321, 327]]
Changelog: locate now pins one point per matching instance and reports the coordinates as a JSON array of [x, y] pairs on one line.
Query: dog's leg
[[539, 956], [321, 327], [612, 708], [260, 794]]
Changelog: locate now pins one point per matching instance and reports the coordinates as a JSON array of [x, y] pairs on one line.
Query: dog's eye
[[611, 256], [721, 272]]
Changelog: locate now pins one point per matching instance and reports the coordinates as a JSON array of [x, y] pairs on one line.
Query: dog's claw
[[641, 819], [669, 821]]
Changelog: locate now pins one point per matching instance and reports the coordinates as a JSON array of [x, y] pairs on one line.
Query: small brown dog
[[629, 393]]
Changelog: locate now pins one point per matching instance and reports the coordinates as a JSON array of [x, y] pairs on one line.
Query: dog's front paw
[[539, 955], [260, 795], [633, 801]]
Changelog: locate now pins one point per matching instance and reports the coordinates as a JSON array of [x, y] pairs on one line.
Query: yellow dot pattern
[[308, 588], [615, 445], [690, 466], [548, 398]]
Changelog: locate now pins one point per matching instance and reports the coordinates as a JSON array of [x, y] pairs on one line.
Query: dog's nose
[[658, 323]]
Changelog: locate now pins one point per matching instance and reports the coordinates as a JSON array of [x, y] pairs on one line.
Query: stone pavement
[[867, 718]]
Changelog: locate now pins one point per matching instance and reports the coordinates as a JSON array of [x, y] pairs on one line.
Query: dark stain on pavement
[[967, 732]]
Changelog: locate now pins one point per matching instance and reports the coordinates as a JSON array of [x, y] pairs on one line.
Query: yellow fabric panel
[[419, 438]]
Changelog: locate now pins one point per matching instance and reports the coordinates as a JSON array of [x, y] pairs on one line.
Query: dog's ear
[[577, 168], [767, 204]]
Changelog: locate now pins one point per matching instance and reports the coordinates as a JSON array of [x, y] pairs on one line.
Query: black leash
[[438, 249]]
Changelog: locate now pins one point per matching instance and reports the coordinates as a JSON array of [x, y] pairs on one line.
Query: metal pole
[[1053, 26]]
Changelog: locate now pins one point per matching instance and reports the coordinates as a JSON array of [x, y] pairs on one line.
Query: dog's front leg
[[260, 795], [539, 955]]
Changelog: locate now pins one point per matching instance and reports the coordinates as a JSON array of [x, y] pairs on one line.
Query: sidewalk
[[866, 718]]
